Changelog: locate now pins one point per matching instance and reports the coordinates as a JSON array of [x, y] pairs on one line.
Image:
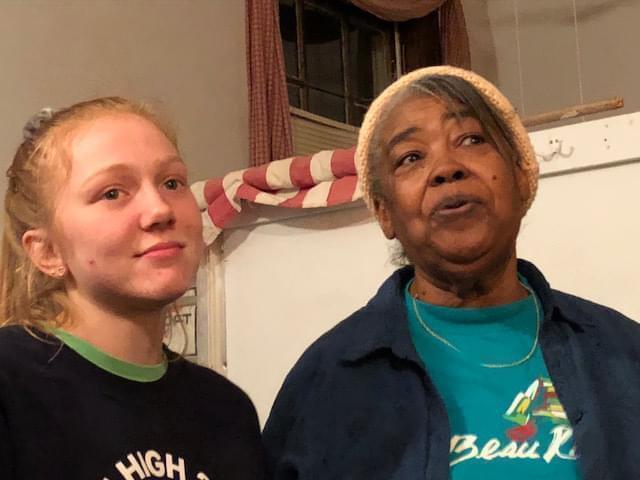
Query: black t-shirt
[[62, 417]]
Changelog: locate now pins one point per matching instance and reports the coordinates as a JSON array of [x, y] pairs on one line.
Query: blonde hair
[[29, 297]]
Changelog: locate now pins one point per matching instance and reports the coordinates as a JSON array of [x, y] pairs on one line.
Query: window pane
[[288, 34], [294, 95], [323, 50], [327, 105], [358, 115], [369, 62]]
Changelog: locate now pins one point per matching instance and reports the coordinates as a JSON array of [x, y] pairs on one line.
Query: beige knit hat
[[496, 100]]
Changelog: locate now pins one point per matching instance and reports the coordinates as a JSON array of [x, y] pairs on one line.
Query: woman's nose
[[449, 175], [157, 212]]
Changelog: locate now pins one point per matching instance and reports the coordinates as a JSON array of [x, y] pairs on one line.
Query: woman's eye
[[173, 184], [112, 194], [409, 159], [474, 139]]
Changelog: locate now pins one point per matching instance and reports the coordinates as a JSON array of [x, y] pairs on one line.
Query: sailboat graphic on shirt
[[540, 431], [539, 401]]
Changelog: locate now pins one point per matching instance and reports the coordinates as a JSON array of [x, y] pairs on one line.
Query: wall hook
[[557, 152]]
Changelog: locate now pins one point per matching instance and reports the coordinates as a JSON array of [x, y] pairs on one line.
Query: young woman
[[101, 235]]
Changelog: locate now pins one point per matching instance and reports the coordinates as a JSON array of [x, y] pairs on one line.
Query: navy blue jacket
[[360, 405]]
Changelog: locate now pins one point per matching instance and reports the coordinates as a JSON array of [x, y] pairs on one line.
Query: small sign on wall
[[180, 334]]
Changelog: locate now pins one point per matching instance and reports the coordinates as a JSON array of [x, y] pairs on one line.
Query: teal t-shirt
[[506, 422]]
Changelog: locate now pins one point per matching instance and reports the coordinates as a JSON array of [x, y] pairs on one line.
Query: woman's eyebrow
[[457, 114], [116, 169], [400, 136], [171, 160]]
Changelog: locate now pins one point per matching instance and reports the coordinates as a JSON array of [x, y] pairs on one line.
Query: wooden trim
[[303, 93], [532, 121], [216, 313], [574, 111], [346, 77], [297, 112]]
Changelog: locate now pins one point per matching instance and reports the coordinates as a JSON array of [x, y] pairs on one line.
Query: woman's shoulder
[[203, 382], [12, 334], [590, 311], [17, 341], [605, 323], [186, 369], [24, 354]]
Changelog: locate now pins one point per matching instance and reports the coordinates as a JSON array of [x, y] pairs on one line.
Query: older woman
[[465, 364]]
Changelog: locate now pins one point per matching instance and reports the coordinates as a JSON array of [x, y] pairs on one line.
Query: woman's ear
[[43, 253], [522, 182], [384, 218]]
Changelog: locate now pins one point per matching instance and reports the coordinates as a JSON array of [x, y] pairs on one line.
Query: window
[[337, 57]]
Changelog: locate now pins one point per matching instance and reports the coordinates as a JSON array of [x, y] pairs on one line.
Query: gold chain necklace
[[486, 365]]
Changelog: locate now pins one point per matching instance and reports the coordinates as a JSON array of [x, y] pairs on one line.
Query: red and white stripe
[[324, 179]]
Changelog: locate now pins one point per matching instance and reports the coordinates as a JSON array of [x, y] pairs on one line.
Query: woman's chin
[[163, 294], [463, 249], [169, 295]]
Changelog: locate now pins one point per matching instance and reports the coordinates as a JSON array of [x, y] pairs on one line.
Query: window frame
[[345, 14]]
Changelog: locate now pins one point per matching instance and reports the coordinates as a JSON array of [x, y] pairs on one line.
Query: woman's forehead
[[417, 110], [125, 140], [117, 132]]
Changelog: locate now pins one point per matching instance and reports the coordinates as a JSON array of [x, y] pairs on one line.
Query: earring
[[59, 272]]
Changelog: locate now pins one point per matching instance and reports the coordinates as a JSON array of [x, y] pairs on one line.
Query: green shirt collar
[[115, 366]]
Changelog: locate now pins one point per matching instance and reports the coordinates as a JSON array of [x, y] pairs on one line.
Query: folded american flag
[[324, 179]]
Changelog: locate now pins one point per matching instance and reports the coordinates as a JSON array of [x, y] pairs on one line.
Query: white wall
[[189, 55], [286, 283], [534, 41]]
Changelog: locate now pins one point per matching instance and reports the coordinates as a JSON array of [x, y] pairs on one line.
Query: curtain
[[454, 41], [269, 118], [325, 179], [398, 10]]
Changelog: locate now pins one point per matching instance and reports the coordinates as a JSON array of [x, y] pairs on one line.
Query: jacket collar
[[386, 327], [385, 323], [553, 308]]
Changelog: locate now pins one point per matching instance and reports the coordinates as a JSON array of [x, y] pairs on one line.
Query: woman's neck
[[135, 337], [485, 288]]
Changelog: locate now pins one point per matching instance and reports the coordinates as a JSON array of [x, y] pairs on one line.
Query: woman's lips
[[162, 250], [455, 206]]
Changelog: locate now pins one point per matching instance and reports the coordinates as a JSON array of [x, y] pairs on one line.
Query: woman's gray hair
[[456, 86], [454, 92]]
